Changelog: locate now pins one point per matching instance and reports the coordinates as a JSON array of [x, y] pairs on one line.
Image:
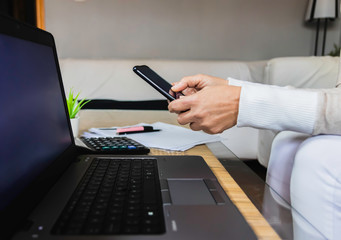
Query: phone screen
[[155, 81]]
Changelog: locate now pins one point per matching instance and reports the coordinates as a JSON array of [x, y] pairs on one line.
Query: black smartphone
[[155, 81]]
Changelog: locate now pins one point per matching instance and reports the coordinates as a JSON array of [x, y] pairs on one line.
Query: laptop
[[49, 189]]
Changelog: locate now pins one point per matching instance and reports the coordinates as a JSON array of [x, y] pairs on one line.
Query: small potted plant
[[336, 51], [74, 105]]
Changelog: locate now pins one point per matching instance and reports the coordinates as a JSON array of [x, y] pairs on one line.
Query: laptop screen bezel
[[24, 203]]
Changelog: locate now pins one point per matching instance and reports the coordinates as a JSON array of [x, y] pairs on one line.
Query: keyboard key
[[117, 196]]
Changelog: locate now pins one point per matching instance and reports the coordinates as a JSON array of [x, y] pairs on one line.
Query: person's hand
[[212, 109], [192, 84]]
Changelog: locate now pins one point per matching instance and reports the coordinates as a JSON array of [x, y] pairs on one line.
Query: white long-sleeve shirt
[[311, 111]]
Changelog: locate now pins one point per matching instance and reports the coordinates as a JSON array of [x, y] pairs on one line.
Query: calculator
[[115, 145]]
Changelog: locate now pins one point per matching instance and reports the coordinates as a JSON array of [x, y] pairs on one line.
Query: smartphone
[[156, 81]]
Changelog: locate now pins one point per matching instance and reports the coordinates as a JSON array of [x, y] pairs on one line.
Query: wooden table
[[109, 118]]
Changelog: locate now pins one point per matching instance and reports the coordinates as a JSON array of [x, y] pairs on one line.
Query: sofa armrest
[[302, 72]]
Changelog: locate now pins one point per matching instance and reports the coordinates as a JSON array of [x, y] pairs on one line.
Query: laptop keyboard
[[115, 196], [115, 145]]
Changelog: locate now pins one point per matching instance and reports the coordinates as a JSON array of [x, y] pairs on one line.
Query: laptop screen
[[33, 124]]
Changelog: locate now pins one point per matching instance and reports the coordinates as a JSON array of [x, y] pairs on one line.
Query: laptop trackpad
[[190, 192]]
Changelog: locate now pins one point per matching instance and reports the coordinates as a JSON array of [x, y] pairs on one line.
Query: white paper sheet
[[171, 137]]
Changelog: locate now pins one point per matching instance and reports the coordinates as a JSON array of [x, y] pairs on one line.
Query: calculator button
[[115, 145]]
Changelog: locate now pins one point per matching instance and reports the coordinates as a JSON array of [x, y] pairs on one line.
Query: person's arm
[[312, 111], [214, 108], [277, 108]]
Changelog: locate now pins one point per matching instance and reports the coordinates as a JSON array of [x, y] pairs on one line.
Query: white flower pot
[[75, 126]]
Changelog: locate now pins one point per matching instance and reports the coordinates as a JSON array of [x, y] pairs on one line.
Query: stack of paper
[[171, 137]]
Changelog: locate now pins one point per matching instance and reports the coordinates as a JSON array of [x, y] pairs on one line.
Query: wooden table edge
[[254, 218]]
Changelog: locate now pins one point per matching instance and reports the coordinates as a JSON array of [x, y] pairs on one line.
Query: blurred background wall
[[183, 29]]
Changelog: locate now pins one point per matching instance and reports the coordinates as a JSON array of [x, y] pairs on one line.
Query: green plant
[[73, 104], [335, 52]]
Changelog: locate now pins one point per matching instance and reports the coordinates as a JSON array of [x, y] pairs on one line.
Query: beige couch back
[[114, 79]]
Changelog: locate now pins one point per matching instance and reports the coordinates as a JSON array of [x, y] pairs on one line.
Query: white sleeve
[[276, 108], [235, 82], [240, 83]]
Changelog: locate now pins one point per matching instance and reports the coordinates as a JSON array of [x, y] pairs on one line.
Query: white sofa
[[114, 79]]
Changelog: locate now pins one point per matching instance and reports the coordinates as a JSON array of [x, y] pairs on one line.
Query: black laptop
[[49, 190]]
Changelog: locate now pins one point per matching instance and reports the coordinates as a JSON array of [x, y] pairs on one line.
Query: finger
[[185, 117], [172, 93], [179, 86], [180, 105], [188, 82], [175, 108], [188, 91], [195, 126]]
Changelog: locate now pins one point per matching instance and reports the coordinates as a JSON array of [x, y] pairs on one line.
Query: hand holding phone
[[157, 82]]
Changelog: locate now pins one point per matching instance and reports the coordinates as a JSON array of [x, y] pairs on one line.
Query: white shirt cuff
[[237, 83]]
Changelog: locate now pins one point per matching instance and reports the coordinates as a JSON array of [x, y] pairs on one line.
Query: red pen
[[136, 129]]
